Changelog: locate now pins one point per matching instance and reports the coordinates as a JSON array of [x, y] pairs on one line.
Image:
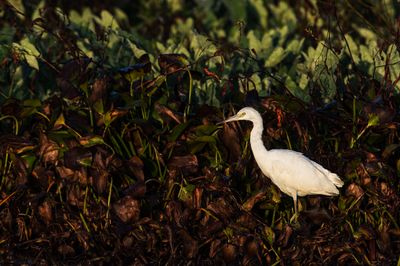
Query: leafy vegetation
[[110, 152]]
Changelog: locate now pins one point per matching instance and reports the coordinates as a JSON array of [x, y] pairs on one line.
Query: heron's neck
[[256, 136]]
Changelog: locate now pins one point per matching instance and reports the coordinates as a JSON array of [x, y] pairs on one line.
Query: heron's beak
[[230, 119]]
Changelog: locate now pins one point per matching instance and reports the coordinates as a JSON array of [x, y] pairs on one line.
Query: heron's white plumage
[[294, 173]]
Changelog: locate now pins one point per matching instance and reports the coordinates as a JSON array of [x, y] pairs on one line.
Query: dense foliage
[[110, 152]]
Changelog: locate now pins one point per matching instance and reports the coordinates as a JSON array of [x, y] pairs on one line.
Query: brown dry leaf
[[384, 237], [75, 195], [188, 164], [249, 204], [42, 175], [214, 247], [275, 133], [231, 140], [99, 178], [11, 107], [127, 209], [49, 149], [386, 190], [247, 220], [229, 253], [211, 226], [136, 166], [17, 144], [161, 109], [99, 173], [222, 209], [284, 237], [197, 195], [354, 190], [77, 157], [19, 170], [190, 245], [65, 172], [66, 250], [6, 219], [73, 71], [174, 211], [99, 90], [127, 241], [136, 190], [252, 248], [172, 62], [45, 211], [316, 216]]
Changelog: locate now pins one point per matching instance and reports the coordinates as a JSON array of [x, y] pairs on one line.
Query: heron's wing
[[293, 173]]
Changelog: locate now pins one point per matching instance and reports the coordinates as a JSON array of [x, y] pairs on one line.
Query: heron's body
[[294, 173]]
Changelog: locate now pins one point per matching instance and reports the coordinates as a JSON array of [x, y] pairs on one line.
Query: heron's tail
[[335, 179]]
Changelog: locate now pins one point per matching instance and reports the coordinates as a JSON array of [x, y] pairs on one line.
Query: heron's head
[[247, 113]]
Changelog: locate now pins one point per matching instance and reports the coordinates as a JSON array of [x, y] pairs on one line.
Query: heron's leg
[[295, 215]]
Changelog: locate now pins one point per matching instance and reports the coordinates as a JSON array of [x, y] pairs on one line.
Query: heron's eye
[[242, 114]]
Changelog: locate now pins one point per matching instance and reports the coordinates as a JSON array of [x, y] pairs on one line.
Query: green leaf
[[295, 46], [85, 161], [206, 139], [29, 47], [136, 51], [32, 103], [199, 143], [303, 81], [367, 34], [29, 160], [177, 131], [29, 52], [98, 106], [206, 130], [18, 5], [91, 141], [107, 20], [262, 12], [373, 120], [186, 192], [254, 42], [276, 57], [195, 147], [327, 82], [32, 61], [202, 46], [296, 91], [353, 48], [237, 9]]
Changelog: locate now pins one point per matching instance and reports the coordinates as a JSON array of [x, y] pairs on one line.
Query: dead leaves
[[127, 209]]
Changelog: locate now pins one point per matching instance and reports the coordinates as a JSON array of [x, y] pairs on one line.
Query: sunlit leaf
[[275, 57], [186, 192], [60, 121], [254, 42], [261, 11], [373, 120], [32, 61], [85, 161], [91, 141], [353, 47], [135, 72], [18, 5]]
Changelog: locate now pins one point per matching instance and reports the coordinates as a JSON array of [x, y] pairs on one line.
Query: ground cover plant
[[110, 152]]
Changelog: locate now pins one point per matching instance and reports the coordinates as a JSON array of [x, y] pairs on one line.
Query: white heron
[[294, 173]]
